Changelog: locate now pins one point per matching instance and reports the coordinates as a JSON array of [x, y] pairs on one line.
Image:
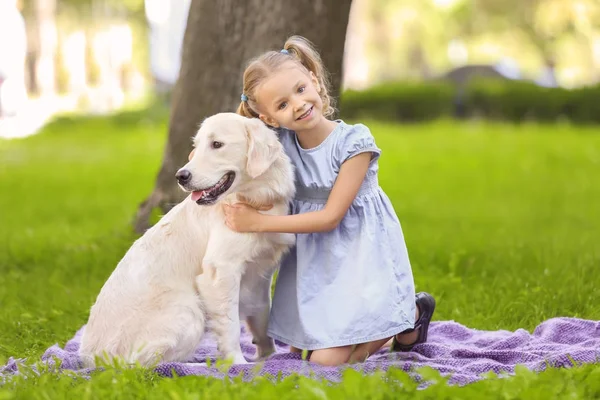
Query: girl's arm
[[243, 218]]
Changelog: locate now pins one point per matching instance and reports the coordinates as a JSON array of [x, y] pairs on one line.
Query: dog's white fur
[[189, 271]]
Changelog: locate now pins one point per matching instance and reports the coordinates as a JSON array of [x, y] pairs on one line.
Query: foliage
[[543, 22], [576, 383], [399, 101], [514, 101], [519, 101], [414, 39]]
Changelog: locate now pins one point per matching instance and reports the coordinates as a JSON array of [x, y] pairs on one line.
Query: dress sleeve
[[355, 141]]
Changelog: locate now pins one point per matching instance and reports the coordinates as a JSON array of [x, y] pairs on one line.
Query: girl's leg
[[295, 350], [364, 350], [332, 357], [402, 341]]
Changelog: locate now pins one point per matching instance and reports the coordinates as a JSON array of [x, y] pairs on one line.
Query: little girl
[[347, 287]]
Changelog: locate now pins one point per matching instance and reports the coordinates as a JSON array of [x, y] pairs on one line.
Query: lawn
[[502, 225]]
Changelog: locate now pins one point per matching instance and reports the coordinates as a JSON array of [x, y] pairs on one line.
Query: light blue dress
[[353, 284]]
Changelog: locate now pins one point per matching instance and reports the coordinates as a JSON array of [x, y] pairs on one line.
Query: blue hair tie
[[284, 51], [243, 97]]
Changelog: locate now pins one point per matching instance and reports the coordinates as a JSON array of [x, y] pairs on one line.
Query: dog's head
[[229, 150]]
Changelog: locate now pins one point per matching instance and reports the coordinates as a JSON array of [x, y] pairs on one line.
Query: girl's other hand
[[241, 217]]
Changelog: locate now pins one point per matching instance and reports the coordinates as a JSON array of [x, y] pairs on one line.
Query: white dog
[[189, 271]]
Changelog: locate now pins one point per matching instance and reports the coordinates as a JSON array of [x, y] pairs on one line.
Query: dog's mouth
[[211, 194]]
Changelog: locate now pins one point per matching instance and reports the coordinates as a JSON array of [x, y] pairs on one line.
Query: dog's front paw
[[239, 359], [234, 359]]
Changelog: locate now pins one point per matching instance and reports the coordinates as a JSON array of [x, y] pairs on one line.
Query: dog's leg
[[220, 294], [258, 322]]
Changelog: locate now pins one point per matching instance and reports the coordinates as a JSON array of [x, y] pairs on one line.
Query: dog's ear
[[263, 147]]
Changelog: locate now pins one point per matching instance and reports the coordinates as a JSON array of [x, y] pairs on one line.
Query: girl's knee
[[331, 357], [365, 350]]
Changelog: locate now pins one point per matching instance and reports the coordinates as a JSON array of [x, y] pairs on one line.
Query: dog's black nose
[[183, 176]]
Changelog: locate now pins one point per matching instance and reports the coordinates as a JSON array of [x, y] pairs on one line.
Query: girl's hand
[[241, 217]]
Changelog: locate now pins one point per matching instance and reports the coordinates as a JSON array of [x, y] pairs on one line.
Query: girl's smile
[[307, 115]]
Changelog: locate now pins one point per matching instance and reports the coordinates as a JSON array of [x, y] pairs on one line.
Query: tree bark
[[220, 37]]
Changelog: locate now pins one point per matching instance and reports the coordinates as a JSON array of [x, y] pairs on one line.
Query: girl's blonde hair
[[296, 49]]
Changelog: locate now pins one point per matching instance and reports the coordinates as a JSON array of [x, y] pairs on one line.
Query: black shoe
[[426, 304]]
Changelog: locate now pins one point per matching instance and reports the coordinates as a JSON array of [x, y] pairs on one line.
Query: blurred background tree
[[546, 29], [414, 39], [553, 41], [387, 39]]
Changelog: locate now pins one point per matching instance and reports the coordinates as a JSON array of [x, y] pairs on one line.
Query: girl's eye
[[282, 105], [301, 89], [216, 145]]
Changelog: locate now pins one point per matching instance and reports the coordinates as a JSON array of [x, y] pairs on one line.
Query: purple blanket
[[452, 349]]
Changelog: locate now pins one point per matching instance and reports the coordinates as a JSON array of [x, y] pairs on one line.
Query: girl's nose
[[298, 104]]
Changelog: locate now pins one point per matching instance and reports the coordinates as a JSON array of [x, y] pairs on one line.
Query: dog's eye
[[216, 145]]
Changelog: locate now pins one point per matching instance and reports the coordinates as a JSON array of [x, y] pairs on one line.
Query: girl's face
[[290, 98]]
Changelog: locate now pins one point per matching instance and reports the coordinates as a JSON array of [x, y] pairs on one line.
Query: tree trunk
[[220, 37]]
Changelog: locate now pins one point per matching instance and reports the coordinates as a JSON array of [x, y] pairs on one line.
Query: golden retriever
[[189, 272]]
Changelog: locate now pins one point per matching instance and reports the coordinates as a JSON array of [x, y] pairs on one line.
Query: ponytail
[[245, 110], [304, 51]]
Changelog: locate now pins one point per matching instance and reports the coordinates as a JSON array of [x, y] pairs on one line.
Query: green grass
[[502, 225]]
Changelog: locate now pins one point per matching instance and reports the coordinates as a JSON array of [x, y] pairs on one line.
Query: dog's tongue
[[197, 195]]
